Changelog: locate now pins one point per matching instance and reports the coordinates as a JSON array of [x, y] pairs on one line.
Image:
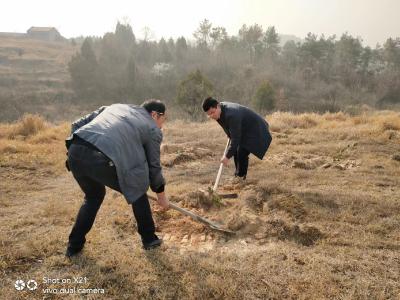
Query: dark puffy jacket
[[245, 128]]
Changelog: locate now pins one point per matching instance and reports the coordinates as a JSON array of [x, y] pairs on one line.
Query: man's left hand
[[225, 160]]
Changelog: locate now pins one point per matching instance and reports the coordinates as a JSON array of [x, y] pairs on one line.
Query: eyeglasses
[[160, 114]]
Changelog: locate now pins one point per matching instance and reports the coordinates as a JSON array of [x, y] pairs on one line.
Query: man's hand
[[225, 160], [162, 201]]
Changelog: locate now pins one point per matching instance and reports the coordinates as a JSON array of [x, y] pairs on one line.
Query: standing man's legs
[[142, 212], [93, 172], [94, 195], [241, 158]]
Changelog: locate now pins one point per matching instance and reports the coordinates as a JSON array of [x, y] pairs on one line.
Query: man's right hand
[[162, 200]]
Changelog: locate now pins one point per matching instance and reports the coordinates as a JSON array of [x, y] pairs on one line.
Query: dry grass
[[317, 219], [28, 125], [284, 120]]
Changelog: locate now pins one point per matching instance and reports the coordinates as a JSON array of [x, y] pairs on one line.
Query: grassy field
[[318, 218]]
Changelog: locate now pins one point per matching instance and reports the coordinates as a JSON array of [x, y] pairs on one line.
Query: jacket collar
[[222, 116]]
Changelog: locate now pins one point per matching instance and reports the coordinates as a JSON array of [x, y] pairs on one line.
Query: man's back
[[249, 128], [130, 138]]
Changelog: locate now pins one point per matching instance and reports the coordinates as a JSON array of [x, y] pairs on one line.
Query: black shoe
[[243, 177], [73, 251], [153, 244]]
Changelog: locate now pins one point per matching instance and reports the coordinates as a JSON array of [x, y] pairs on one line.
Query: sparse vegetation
[[317, 219]]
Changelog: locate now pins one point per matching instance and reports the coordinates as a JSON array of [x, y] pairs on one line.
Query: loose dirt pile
[[175, 154], [259, 214]]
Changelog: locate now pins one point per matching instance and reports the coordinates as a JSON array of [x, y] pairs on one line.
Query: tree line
[[317, 74]]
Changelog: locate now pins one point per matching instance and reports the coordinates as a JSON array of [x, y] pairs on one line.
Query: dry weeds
[[317, 219]]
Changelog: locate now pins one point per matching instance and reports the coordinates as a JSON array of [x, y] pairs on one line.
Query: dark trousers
[[93, 171], [241, 158]]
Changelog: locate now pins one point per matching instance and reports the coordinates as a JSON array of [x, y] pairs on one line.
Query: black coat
[[245, 128]]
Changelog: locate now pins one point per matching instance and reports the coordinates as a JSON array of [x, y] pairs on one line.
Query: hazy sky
[[372, 20]]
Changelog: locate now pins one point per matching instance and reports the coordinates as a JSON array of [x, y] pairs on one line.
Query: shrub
[[27, 126], [192, 91], [264, 99]]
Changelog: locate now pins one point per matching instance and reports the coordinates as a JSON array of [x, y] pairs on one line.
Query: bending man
[[247, 131], [117, 146]]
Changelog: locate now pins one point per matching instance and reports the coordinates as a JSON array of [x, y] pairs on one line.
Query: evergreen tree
[[165, 54], [192, 91], [271, 41], [251, 39], [264, 99], [391, 53], [202, 34], [124, 36], [181, 48], [83, 69]]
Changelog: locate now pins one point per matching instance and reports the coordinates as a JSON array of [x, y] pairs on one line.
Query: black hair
[[208, 103], [154, 105]]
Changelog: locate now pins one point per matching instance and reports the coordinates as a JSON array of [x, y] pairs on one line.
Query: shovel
[[214, 189], [211, 192], [196, 217]]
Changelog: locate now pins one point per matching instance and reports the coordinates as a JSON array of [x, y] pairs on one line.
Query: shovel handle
[[218, 177], [187, 213], [220, 169]]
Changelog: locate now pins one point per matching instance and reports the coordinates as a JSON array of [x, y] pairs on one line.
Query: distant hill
[[33, 75]]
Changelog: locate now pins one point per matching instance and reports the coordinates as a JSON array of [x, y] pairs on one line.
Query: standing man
[[248, 132], [117, 146]]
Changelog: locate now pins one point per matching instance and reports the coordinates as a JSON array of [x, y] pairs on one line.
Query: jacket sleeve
[[86, 119], [235, 133], [152, 150]]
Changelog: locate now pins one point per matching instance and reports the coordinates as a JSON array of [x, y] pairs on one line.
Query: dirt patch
[[305, 162], [170, 148], [253, 200], [291, 204], [308, 164], [244, 224], [254, 196], [201, 199], [236, 223], [176, 159], [396, 157], [347, 165], [305, 236], [320, 200], [175, 154]]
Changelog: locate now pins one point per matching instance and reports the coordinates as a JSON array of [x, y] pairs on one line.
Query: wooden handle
[[187, 212], [220, 169]]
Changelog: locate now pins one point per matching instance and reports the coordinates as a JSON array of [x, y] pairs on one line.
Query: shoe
[[153, 244], [72, 251], [238, 180]]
